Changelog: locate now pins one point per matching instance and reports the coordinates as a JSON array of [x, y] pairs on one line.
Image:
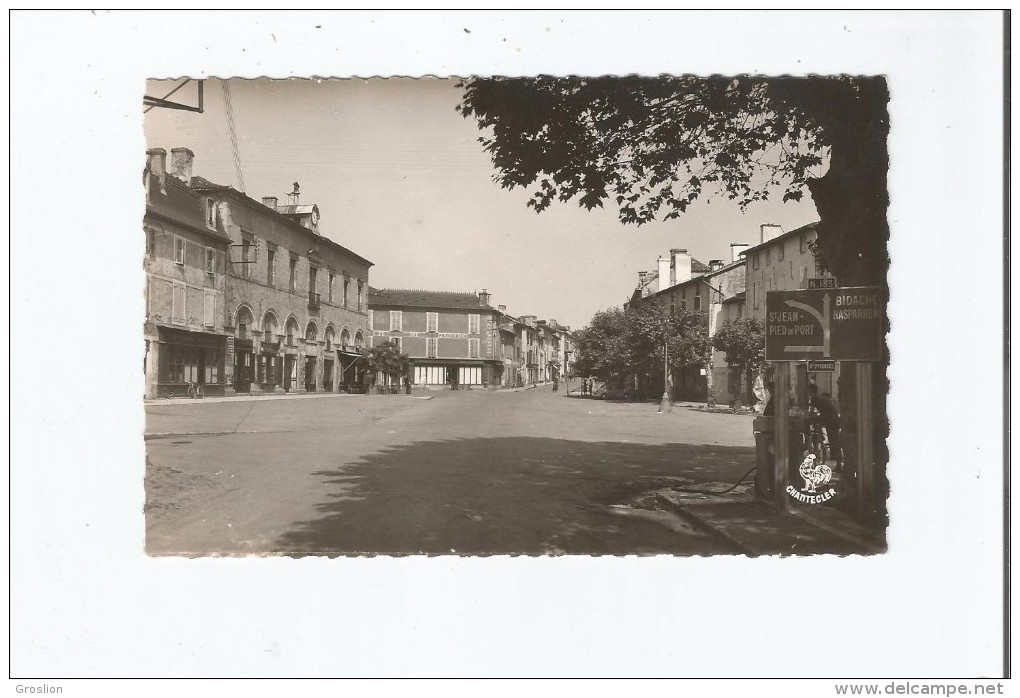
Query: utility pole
[[664, 403]]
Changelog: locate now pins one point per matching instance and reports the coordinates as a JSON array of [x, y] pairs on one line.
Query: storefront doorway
[[327, 375], [289, 372], [310, 374]]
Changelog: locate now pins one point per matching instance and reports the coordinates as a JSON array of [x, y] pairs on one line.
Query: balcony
[[313, 300]]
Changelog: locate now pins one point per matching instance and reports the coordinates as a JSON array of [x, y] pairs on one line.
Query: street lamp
[[664, 403]]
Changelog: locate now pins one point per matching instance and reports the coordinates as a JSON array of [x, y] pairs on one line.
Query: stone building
[[185, 260], [295, 301], [453, 339]]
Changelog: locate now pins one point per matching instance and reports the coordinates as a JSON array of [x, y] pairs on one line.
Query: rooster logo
[[815, 474]]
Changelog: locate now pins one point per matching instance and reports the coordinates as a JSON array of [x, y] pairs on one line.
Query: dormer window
[[210, 213]]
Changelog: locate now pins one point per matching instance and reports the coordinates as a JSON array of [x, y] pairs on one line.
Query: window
[[473, 322], [347, 283], [210, 260], [211, 361], [271, 263], [183, 364], [396, 320], [329, 286], [312, 274], [431, 347], [697, 303], [683, 304], [768, 256], [803, 243], [293, 273], [246, 258], [209, 309], [431, 322], [754, 261], [177, 302], [397, 344], [179, 250], [782, 251], [755, 289], [360, 307], [470, 375], [210, 213], [473, 348]]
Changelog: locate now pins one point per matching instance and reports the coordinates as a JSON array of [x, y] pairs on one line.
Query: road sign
[[842, 324], [823, 282], [821, 366]]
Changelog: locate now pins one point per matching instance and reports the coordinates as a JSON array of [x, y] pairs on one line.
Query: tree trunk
[[852, 199]]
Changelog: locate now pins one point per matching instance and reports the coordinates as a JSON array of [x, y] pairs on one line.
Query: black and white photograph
[[369, 329], [510, 344]]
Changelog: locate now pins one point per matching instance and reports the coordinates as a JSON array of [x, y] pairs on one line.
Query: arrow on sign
[[823, 320]]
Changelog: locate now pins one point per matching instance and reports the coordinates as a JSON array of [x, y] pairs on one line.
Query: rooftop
[[201, 184], [419, 298], [797, 231]]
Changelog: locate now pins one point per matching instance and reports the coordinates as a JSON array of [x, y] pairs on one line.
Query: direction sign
[[842, 324]]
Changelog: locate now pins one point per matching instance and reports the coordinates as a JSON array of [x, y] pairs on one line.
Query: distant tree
[[682, 334], [602, 348], [743, 341], [619, 342], [387, 359]]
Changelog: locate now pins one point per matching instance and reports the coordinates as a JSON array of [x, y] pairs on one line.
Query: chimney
[[663, 273], [770, 230], [736, 248], [269, 201], [181, 160], [483, 297], [715, 264], [502, 309], [681, 266], [156, 166]]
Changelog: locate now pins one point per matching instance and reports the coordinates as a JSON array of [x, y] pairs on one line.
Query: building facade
[[185, 261], [295, 301], [785, 261], [454, 340]]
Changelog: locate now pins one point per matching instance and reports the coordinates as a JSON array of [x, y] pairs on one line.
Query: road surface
[[531, 472]]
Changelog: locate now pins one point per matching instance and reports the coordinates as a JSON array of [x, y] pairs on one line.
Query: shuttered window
[[396, 320], [179, 250], [431, 347], [177, 309], [473, 322], [431, 322], [473, 348], [209, 309]]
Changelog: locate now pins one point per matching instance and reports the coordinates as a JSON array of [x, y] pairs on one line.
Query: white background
[[85, 601]]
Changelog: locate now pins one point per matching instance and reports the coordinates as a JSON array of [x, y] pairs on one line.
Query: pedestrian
[[407, 385], [556, 384]]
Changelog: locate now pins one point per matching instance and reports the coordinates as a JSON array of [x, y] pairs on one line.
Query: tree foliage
[[743, 341], [653, 146], [617, 342], [388, 359]]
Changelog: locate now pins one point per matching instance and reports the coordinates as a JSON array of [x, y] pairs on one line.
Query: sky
[[400, 178]]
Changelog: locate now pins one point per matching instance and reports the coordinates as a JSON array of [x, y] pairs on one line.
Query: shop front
[[190, 358], [244, 365], [270, 366], [351, 371]]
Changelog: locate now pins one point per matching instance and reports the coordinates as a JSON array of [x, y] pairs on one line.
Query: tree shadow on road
[[512, 495]]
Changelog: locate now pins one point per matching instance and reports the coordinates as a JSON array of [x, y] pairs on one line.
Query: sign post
[[781, 405], [823, 325]]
